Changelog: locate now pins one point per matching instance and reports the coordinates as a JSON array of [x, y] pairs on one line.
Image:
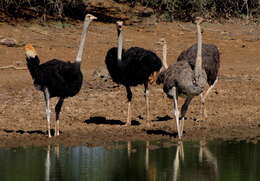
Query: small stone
[[10, 42]]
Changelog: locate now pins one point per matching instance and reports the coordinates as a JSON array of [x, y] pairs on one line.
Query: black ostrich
[[210, 63], [132, 67], [180, 79], [57, 78]]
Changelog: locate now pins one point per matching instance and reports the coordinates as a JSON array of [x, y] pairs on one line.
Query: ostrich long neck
[[165, 55], [198, 65], [120, 46], [82, 40]]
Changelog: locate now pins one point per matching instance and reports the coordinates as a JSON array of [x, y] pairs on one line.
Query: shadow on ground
[[40, 132], [162, 118], [163, 133], [103, 120]]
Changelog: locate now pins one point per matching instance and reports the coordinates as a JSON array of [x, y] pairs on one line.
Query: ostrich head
[[30, 51], [199, 20], [90, 17], [119, 26], [162, 41]]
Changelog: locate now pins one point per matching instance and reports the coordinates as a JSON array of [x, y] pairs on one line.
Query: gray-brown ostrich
[[210, 63], [180, 79]]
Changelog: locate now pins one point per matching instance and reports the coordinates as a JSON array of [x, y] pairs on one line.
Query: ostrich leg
[[176, 110], [203, 99], [129, 112], [48, 109], [57, 110], [146, 94], [184, 109]]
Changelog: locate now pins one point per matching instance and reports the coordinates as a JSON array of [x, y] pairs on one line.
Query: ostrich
[[181, 80], [57, 78], [210, 63], [132, 67]]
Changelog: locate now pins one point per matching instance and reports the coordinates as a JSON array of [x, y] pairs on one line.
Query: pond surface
[[136, 161]]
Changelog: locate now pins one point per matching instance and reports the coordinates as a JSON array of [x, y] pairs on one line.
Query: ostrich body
[[132, 67], [180, 79], [210, 63], [57, 78]]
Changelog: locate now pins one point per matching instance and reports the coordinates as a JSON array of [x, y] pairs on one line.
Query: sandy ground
[[95, 116]]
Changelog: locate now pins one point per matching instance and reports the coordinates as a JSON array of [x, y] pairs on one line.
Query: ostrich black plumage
[[57, 78], [132, 67], [180, 79], [210, 63]]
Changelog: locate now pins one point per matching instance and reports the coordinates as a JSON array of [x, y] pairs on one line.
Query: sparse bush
[[187, 9], [57, 9], [184, 10]]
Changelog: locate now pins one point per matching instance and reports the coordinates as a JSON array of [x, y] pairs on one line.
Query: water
[[163, 161]]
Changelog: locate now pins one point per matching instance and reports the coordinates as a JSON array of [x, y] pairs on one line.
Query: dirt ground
[[95, 116]]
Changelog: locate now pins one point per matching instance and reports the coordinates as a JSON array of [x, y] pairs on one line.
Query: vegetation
[[168, 10], [57, 9], [186, 9]]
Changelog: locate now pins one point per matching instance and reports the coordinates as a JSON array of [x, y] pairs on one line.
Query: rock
[[10, 42], [101, 73], [101, 80]]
